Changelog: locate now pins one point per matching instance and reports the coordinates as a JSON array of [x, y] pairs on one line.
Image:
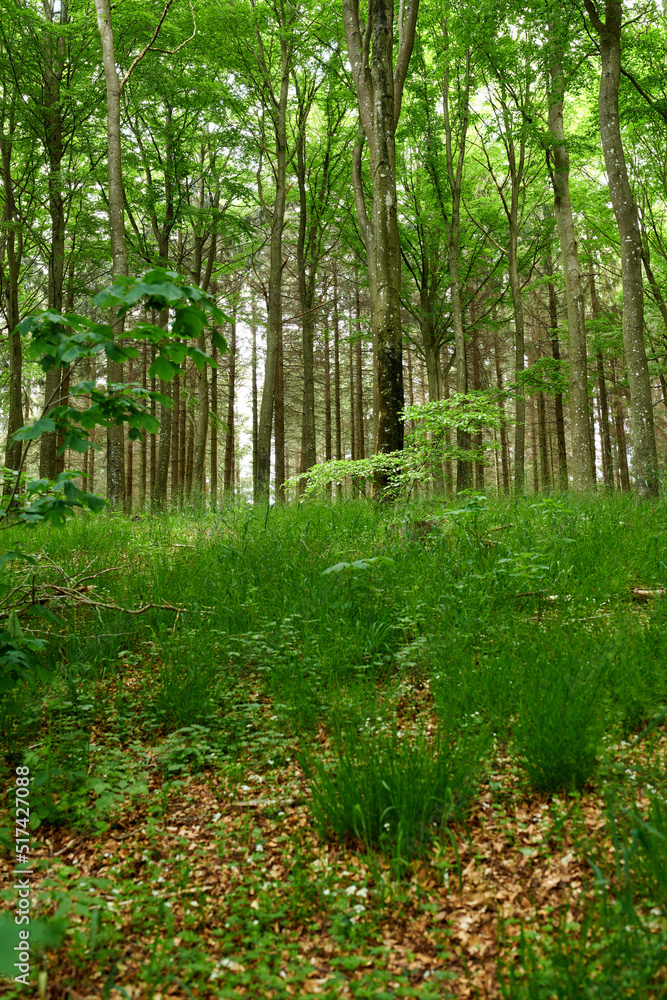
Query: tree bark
[[14, 250], [645, 456], [559, 167], [115, 435], [228, 486], [279, 438], [563, 480], [277, 105], [379, 89]]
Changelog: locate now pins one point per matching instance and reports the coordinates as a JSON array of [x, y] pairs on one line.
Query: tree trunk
[[645, 456], [228, 486], [176, 496], [214, 431], [379, 89], [563, 480], [14, 249], [115, 436], [274, 318], [504, 443], [279, 439], [255, 424], [306, 278], [583, 475], [619, 425], [337, 416], [359, 392], [201, 429]]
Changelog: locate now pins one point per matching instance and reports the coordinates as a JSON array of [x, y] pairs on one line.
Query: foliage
[[63, 341], [426, 447], [393, 790]]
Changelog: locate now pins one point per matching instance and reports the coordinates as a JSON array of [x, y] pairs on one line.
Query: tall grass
[[391, 790]]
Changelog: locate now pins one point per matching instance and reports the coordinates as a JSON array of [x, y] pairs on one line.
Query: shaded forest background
[[245, 168]]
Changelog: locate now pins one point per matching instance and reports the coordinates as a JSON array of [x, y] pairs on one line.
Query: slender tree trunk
[[359, 402], [274, 318], [338, 431], [231, 402], [143, 474], [563, 480], [328, 454], [353, 420], [14, 249], [255, 424], [176, 497], [279, 438], [379, 88], [306, 279], [504, 443], [214, 431], [115, 451], [619, 424], [533, 446], [583, 474], [164, 438], [645, 456], [201, 429]]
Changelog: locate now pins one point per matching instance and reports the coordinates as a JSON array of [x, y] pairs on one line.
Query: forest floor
[[225, 798]]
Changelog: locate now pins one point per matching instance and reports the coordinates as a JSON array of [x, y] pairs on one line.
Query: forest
[[333, 387]]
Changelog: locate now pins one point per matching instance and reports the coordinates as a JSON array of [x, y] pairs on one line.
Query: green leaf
[[189, 322], [219, 341], [163, 369], [43, 426], [14, 625]]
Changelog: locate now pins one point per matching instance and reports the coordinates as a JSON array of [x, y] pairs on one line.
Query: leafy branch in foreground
[[64, 340], [426, 447]]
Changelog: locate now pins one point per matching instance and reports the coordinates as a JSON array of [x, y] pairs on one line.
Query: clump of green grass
[[560, 723], [392, 791]]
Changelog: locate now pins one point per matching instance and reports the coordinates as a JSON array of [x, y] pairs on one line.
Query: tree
[[645, 457], [379, 86]]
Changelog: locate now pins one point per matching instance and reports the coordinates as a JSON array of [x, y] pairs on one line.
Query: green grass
[[507, 633]]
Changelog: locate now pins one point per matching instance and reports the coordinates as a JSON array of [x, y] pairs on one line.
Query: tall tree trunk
[[353, 420], [533, 446], [14, 249], [504, 443], [478, 438], [115, 436], [338, 430], [645, 456], [563, 480], [231, 402], [379, 89], [214, 431], [306, 278], [54, 66], [279, 437], [607, 461], [274, 318], [359, 392], [164, 438], [255, 424], [176, 497], [143, 474], [583, 474], [619, 426], [201, 426]]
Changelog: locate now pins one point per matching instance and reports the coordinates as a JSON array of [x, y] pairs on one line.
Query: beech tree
[[645, 457], [379, 84]]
